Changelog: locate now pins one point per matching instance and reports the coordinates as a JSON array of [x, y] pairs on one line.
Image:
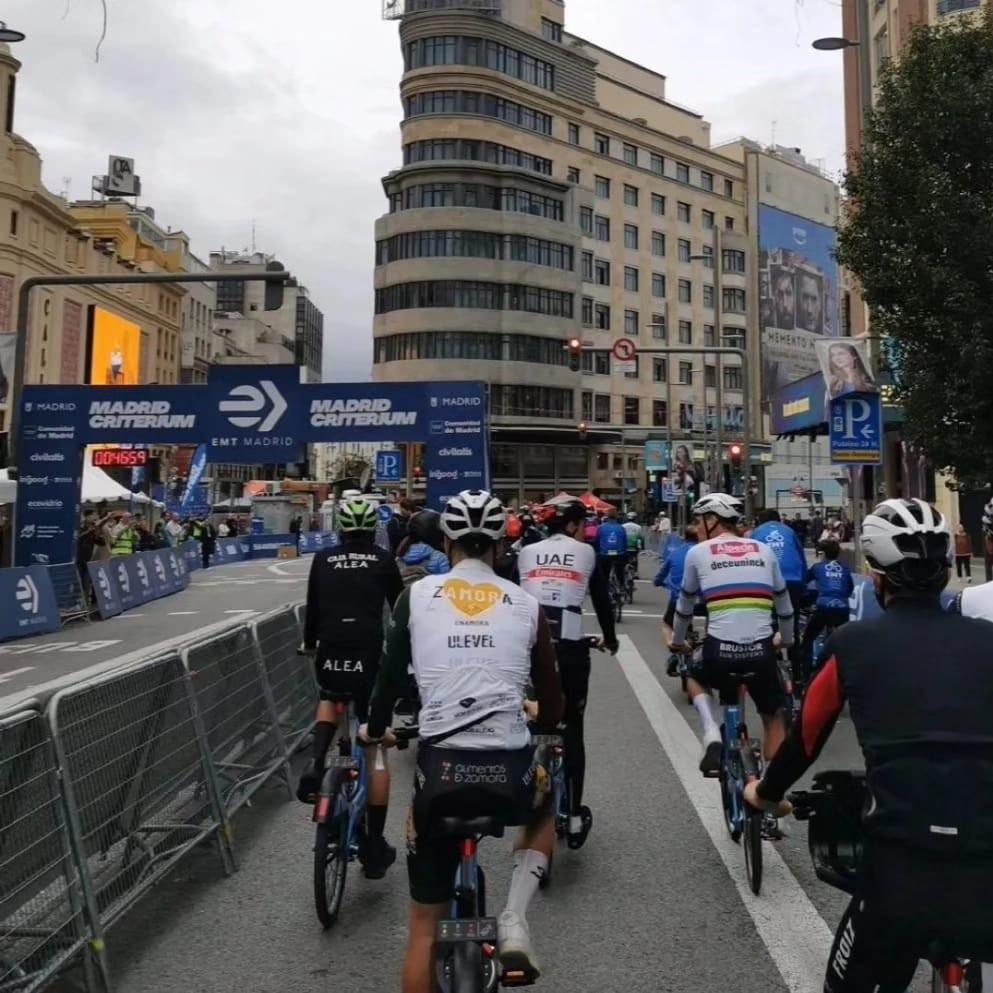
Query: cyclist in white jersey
[[741, 584], [475, 641]]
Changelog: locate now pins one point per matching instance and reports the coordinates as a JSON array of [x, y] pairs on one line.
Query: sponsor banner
[[179, 577], [197, 466], [140, 578], [199, 502], [191, 554], [799, 406], [48, 494], [265, 546], [29, 604], [229, 550], [158, 570], [127, 589], [103, 577], [845, 364], [315, 541], [456, 443]]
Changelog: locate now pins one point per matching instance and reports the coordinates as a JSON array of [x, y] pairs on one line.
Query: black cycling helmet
[[568, 512], [425, 526]]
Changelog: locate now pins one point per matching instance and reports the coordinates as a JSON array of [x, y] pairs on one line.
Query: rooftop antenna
[[66, 187], [773, 134], [253, 237]]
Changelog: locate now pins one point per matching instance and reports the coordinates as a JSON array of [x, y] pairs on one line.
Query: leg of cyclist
[[380, 855], [698, 687], [766, 692], [532, 852], [418, 962], [620, 570], [324, 728], [574, 669]]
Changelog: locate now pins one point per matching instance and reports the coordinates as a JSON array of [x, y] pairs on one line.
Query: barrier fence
[[104, 789]]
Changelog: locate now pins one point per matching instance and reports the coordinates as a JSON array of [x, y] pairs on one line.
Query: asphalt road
[[656, 901], [216, 596]]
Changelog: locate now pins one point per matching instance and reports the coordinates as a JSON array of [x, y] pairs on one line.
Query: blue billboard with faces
[[247, 414]]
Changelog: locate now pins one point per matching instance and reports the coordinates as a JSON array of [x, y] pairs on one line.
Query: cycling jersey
[[633, 532], [834, 583], [421, 560], [783, 540], [612, 539], [975, 602], [741, 584], [670, 573]]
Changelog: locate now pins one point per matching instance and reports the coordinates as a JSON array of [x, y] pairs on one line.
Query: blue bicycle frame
[[736, 766], [350, 798]]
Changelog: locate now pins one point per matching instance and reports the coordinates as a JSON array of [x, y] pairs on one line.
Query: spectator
[[816, 527], [91, 536], [159, 534], [963, 553], [145, 541], [396, 528], [173, 531], [233, 527], [203, 531], [223, 531], [123, 537]]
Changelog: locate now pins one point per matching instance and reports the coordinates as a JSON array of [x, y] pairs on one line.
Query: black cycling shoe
[[310, 784], [578, 840], [710, 764], [379, 857], [673, 667]]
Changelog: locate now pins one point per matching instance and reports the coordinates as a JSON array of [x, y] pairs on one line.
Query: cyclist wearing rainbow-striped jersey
[[741, 584]]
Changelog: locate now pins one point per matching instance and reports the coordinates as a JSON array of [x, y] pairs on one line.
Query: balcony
[[393, 10]]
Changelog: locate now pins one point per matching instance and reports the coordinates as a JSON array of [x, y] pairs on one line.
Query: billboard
[[798, 295], [845, 366], [113, 349]]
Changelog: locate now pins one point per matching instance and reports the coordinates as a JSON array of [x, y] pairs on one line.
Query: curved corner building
[[544, 194]]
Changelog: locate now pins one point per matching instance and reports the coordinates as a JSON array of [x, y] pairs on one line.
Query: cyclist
[[636, 540], [670, 575], [420, 553], [531, 531], [742, 585], [475, 642], [835, 585], [349, 587], [612, 547], [559, 572], [927, 868], [788, 548], [591, 527]]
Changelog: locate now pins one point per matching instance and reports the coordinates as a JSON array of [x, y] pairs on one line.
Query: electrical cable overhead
[[103, 33]]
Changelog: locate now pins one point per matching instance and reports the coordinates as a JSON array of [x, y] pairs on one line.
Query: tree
[[920, 238]]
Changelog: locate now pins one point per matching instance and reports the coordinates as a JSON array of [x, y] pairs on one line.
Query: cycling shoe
[[578, 840]]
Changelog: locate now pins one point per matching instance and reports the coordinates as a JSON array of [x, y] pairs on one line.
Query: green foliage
[[920, 238]]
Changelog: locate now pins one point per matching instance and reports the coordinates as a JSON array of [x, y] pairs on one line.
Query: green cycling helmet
[[357, 515]]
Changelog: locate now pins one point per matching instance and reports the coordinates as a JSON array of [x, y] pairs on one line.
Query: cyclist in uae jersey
[[741, 583]]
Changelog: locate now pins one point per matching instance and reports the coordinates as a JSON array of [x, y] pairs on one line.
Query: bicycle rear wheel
[[753, 851], [330, 867]]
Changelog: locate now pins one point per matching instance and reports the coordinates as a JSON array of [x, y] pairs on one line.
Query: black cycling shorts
[[721, 666], [348, 673], [452, 782]]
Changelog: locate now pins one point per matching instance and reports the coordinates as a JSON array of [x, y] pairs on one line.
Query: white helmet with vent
[[474, 513], [722, 505], [902, 531]]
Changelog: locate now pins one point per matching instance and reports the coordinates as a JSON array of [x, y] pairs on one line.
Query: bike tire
[[330, 867], [467, 968], [753, 851], [618, 610]]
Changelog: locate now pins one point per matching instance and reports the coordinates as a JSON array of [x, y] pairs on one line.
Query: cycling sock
[[375, 820], [704, 706], [530, 868], [323, 733]]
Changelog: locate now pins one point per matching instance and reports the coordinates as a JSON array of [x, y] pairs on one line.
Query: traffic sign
[[625, 353], [389, 464], [856, 430], [384, 512], [656, 456], [668, 491]]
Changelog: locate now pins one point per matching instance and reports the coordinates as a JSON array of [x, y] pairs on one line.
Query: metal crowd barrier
[[104, 790], [72, 599]]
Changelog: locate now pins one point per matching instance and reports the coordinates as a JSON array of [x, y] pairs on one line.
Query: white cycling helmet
[[899, 531], [722, 505], [474, 513], [632, 516]]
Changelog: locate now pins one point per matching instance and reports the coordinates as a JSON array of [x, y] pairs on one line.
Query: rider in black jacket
[[349, 587], [919, 684]]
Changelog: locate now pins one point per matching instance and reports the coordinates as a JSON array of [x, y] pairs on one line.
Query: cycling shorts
[[348, 673], [464, 783], [722, 665]]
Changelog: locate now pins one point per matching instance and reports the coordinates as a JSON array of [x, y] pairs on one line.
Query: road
[[214, 597], [657, 900]]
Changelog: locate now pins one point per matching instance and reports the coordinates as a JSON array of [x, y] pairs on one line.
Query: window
[[658, 327], [706, 181], [728, 188], [601, 272], [710, 376], [473, 244], [601, 143], [733, 300], [683, 212], [588, 267], [658, 285], [733, 379], [596, 363], [631, 322], [631, 405], [660, 415], [658, 243], [685, 373], [733, 337], [709, 336], [685, 332], [573, 134], [586, 220], [707, 220], [551, 30], [631, 196], [682, 172], [631, 278], [732, 260], [659, 368], [531, 401], [473, 294], [587, 312], [658, 204], [683, 249], [657, 164], [573, 174], [14, 217], [601, 186], [601, 408], [708, 256], [685, 291], [708, 296], [601, 228], [473, 51], [586, 406], [728, 223], [631, 154], [881, 48], [944, 7], [601, 317], [474, 102], [630, 236]]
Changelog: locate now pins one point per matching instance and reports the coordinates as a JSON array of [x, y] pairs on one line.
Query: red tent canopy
[[594, 502]]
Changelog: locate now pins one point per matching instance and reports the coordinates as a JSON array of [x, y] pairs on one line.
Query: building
[[549, 189]]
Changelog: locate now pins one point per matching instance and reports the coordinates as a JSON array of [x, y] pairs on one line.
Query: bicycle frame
[[352, 778], [737, 765]]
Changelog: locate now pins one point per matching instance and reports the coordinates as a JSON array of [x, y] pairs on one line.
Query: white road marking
[[49, 647], [4, 676], [240, 611], [128, 614], [627, 610], [277, 568], [182, 613], [797, 937]]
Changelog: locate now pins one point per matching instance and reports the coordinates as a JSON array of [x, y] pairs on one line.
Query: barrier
[[47, 918], [266, 546], [128, 581], [290, 675], [315, 541], [27, 602], [230, 550], [69, 593]]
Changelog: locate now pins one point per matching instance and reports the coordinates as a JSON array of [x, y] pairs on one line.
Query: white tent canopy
[[98, 487]]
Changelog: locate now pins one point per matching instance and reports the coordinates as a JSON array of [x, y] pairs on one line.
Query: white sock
[[704, 706], [529, 870]]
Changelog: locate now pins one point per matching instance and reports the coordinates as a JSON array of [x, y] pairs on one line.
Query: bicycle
[[616, 598], [630, 570], [832, 809], [339, 813]]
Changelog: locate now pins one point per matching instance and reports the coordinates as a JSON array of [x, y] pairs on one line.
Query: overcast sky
[[288, 114]]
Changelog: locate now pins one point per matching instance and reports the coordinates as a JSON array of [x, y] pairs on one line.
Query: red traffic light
[[574, 344], [734, 451], [582, 428], [418, 470]]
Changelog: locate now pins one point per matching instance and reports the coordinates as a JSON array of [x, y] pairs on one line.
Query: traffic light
[[575, 346], [581, 426], [734, 455]]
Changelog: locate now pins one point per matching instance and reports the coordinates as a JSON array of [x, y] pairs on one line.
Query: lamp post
[[718, 480], [10, 36]]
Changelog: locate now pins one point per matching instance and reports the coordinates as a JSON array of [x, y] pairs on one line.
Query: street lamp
[[9, 35], [832, 44]]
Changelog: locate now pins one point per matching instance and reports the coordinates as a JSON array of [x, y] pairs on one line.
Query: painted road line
[[182, 613], [797, 937], [4, 676], [240, 611]]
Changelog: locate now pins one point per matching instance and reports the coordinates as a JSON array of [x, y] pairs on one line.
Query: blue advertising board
[[266, 546], [245, 414], [315, 541], [28, 603], [656, 456], [856, 429], [799, 406], [389, 465], [129, 581], [105, 589]]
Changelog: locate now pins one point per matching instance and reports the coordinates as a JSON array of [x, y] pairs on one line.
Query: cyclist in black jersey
[[919, 684]]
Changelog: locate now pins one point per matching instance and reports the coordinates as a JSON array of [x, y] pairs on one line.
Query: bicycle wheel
[[330, 867], [466, 965], [618, 609], [753, 851]]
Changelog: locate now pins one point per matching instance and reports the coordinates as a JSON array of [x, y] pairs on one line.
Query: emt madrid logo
[[253, 401]]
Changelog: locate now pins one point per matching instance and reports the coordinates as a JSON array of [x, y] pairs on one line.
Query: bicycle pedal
[[712, 774], [519, 977]]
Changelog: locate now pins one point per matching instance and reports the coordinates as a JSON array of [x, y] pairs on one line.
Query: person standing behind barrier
[[173, 531], [123, 537], [963, 553], [203, 531], [90, 538]]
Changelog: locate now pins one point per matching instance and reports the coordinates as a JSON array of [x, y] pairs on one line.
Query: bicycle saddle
[[457, 827]]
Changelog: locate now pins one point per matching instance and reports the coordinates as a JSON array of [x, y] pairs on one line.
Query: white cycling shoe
[[514, 942]]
